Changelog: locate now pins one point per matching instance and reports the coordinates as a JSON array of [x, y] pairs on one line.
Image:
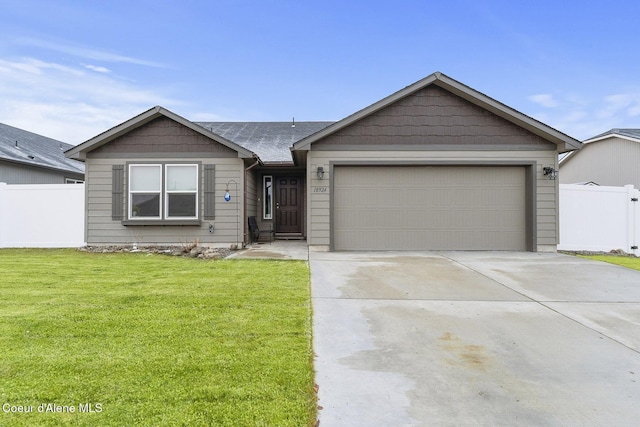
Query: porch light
[[550, 172], [320, 172]]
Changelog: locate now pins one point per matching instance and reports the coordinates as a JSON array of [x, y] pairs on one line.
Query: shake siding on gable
[[163, 141], [434, 119], [159, 136]]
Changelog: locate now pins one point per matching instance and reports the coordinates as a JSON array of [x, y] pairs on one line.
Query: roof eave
[[611, 135], [42, 166]]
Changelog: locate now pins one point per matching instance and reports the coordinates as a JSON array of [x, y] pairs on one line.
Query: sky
[[72, 69]]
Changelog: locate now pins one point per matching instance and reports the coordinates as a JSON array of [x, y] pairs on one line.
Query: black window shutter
[[117, 190], [209, 192]]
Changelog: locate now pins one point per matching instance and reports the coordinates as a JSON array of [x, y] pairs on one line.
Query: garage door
[[429, 208]]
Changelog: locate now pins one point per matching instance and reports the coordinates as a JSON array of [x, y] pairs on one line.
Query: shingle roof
[[631, 133], [271, 141], [28, 148]]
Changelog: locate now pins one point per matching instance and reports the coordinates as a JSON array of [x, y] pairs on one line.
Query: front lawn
[[151, 340], [625, 261]]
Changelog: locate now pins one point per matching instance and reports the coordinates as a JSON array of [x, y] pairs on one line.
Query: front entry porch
[[288, 207], [281, 206]]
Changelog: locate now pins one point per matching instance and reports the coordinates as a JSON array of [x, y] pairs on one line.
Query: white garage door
[[429, 208]]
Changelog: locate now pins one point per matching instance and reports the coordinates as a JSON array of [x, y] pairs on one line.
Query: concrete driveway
[[475, 338]]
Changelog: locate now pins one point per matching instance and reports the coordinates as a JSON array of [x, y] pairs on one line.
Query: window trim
[[166, 192], [264, 197], [130, 193], [163, 219]]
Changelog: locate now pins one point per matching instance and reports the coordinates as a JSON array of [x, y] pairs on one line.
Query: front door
[[288, 204]]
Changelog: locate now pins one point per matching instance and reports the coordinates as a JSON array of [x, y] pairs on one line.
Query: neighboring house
[[29, 158], [434, 166], [611, 159]]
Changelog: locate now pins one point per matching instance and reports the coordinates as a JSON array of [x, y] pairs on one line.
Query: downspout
[[244, 198]]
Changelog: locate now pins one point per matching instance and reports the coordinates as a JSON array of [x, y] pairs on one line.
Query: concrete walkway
[[468, 338], [278, 249]]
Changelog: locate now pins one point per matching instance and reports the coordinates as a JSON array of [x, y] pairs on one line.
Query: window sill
[[163, 222]]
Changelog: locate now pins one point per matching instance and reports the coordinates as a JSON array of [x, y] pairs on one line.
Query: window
[[145, 189], [182, 191], [73, 181], [159, 191], [267, 200]]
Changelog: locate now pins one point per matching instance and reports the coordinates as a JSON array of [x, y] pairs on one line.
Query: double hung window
[[163, 191]]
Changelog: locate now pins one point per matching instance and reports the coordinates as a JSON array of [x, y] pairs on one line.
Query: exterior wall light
[[320, 172], [549, 172]]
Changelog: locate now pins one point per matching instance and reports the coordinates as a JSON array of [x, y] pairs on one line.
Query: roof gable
[[80, 152], [433, 118], [563, 142], [163, 137]]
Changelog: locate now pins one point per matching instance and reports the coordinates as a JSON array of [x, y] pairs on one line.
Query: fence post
[[633, 212]]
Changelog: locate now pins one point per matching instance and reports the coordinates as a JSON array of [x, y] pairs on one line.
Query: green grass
[[630, 262], [154, 340]]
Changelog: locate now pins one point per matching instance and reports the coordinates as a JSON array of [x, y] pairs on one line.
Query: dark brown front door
[[288, 204]]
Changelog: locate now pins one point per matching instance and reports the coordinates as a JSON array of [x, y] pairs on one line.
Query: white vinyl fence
[[41, 216], [598, 218]]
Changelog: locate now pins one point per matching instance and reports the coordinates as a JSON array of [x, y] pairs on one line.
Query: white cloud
[[87, 52], [544, 99], [583, 117], [97, 68], [622, 104], [66, 103]]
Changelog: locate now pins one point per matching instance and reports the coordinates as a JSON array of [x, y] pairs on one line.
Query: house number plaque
[[319, 189]]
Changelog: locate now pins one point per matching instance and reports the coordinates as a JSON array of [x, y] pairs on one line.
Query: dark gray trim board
[[436, 147]]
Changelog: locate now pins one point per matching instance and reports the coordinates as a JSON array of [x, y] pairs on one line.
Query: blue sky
[[72, 69]]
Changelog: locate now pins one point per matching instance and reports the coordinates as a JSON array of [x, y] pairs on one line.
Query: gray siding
[[435, 127], [103, 230], [433, 118], [164, 140], [613, 161], [251, 195], [544, 198], [14, 173], [161, 137]]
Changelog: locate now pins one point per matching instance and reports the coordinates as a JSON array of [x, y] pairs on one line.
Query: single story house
[[611, 158], [29, 158], [434, 166]]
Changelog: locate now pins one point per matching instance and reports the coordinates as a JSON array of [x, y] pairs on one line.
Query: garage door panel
[[429, 208]]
